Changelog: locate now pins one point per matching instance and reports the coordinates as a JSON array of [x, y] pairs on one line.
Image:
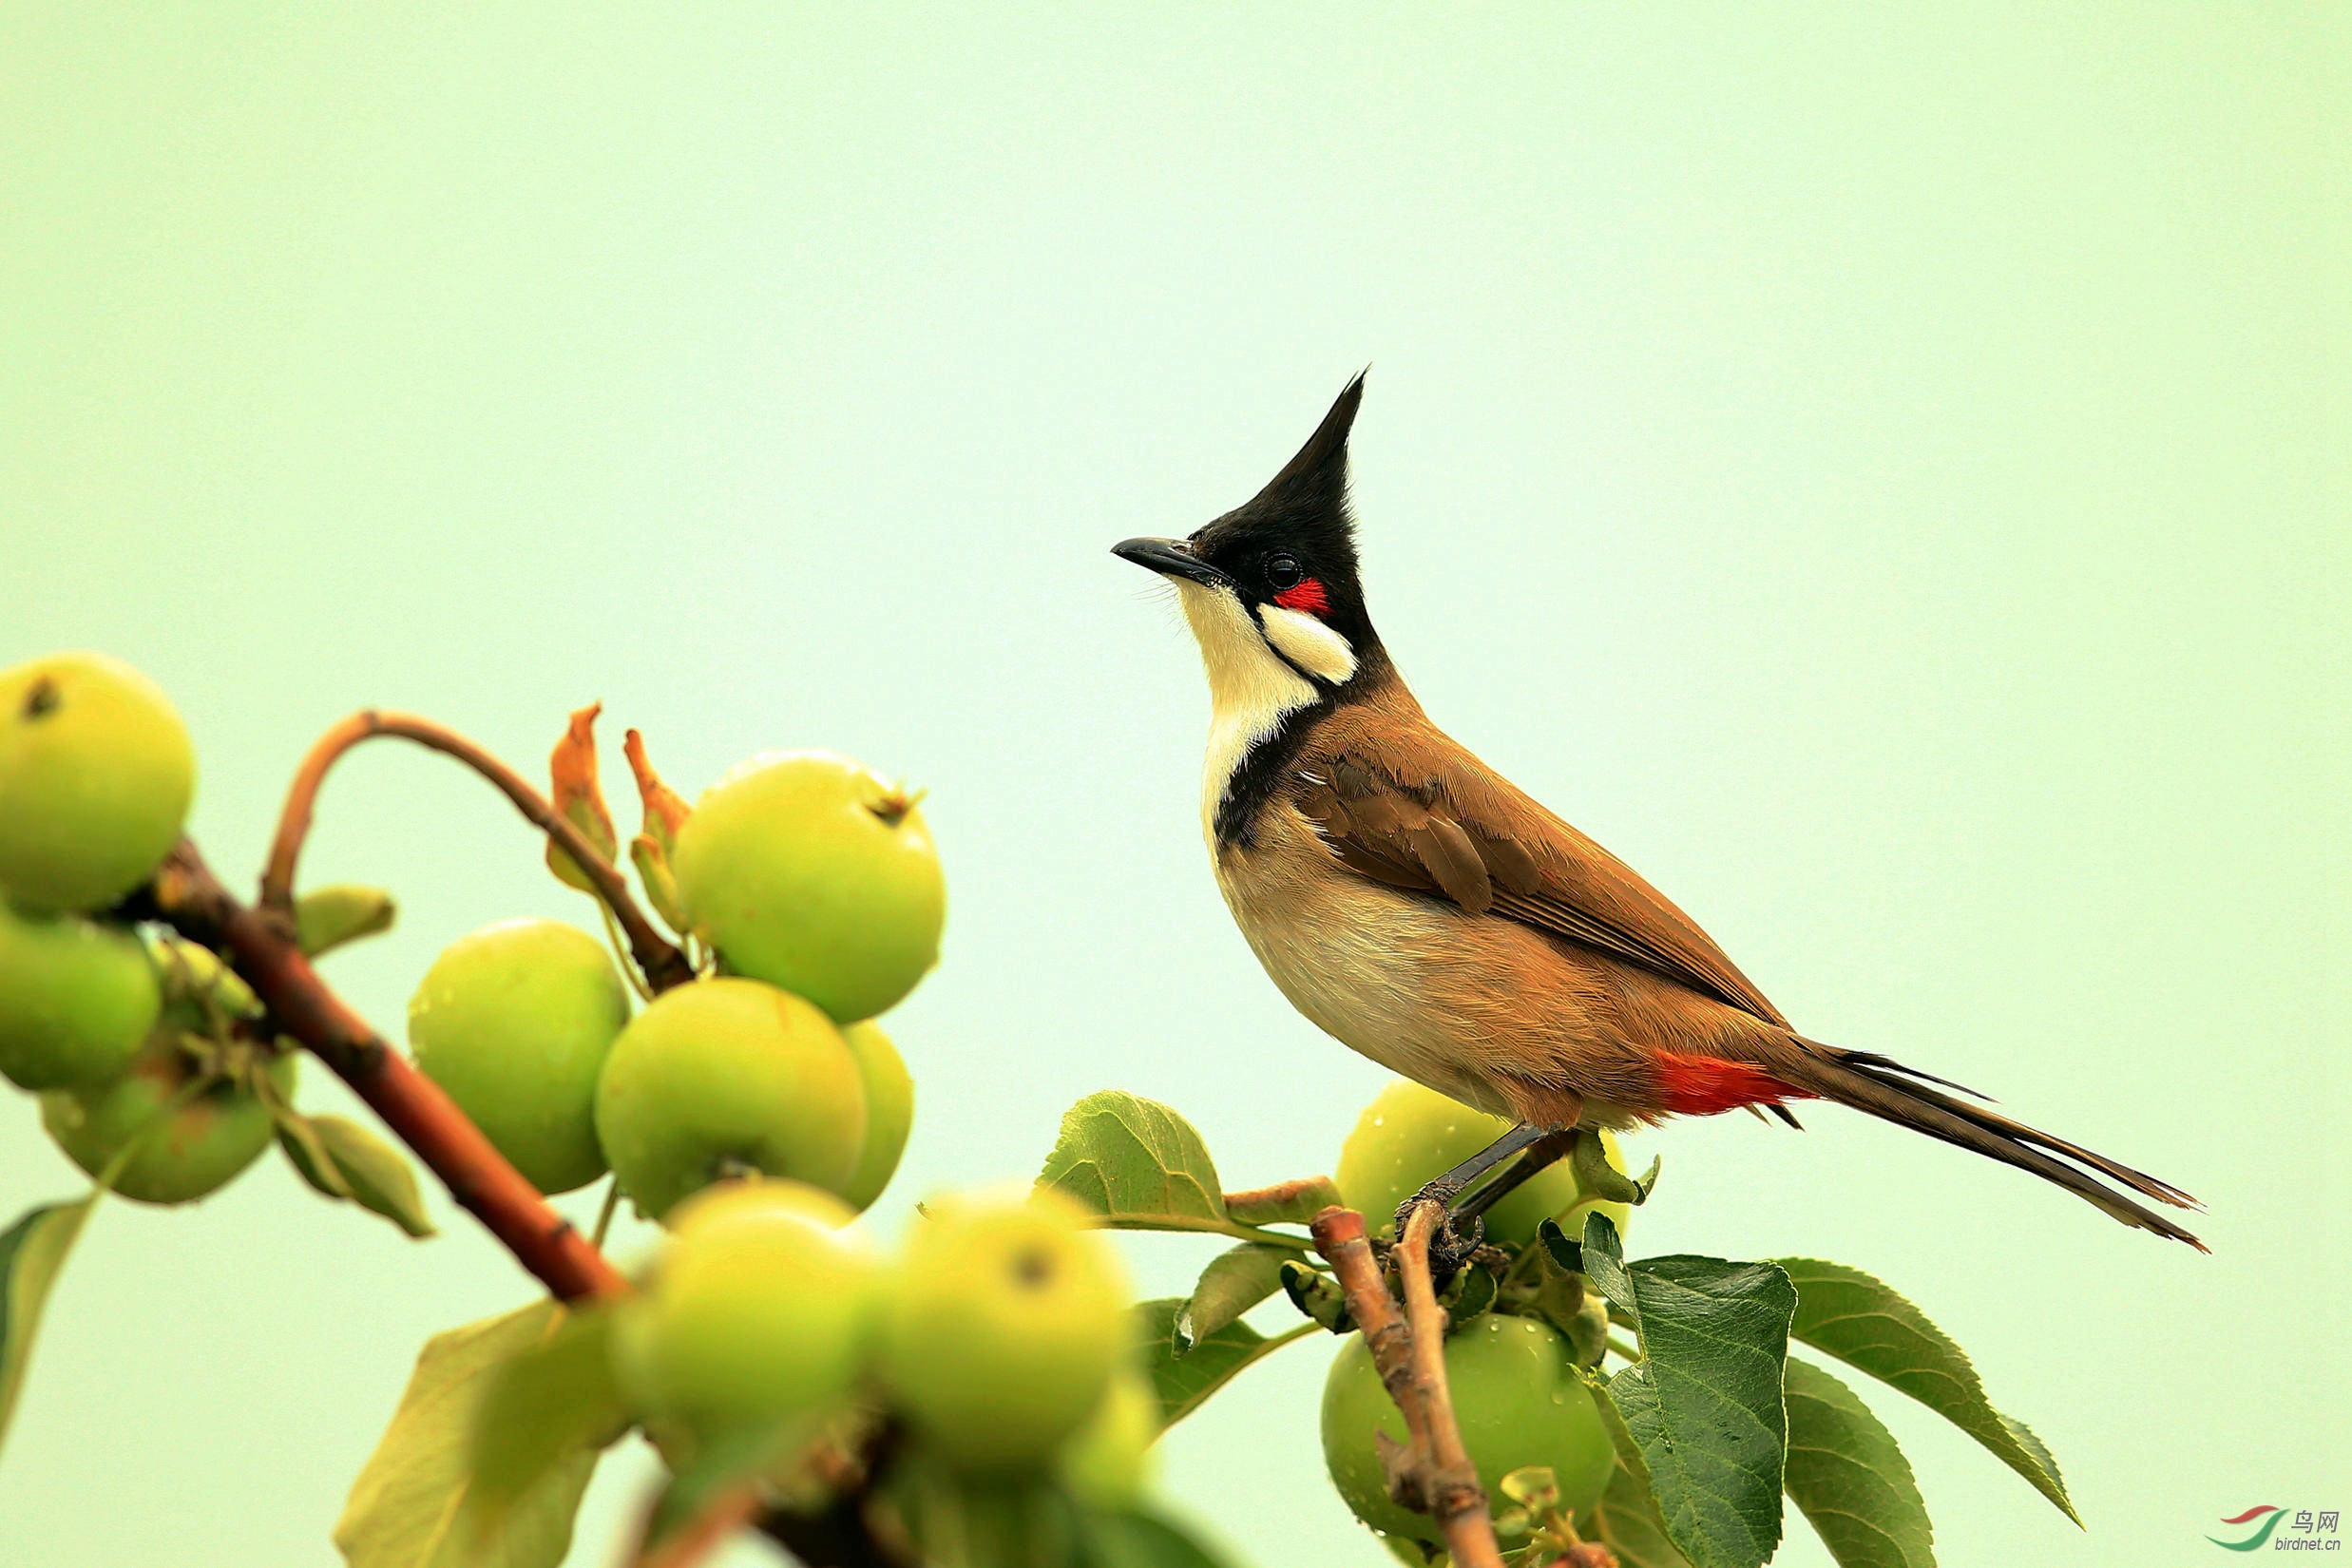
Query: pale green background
[[1885, 475]]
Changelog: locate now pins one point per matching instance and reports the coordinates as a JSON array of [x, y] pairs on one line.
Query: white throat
[[1251, 688]]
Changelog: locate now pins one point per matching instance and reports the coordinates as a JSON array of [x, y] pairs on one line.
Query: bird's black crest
[[1303, 508]]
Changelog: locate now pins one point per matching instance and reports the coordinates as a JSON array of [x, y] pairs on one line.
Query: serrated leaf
[[327, 918], [1868, 1325], [541, 1408], [1565, 1252], [31, 1252], [404, 1510], [1296, 1201], [1468, 1293], [1235, 1281], [1847, 1475], [1134, 1161], [1627, 1518], [1704, 1402], [1185, 1383]]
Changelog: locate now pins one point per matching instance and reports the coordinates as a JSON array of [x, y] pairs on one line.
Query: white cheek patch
[[1308, 643], [1248, 688]]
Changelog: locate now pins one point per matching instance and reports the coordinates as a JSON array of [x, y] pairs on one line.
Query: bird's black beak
[[1170, 558]]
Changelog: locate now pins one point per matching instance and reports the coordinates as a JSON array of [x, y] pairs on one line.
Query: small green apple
[[804, 870], [889, 1111], [514, 1022], [1516, 1397], [1410, 1136], [757, 1310], [723, 1077], [1107, 1463], [76, 999], [96, 773], [201, 1146], [1003, 1329]]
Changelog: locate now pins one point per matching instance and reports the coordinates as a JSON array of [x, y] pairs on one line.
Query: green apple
[[194, 1151], [1004, 1328], [1410, 1136], [1107, 1463], [76, 999], [757, 1310], [514, 1022], [804, 870], [722, 1078], [1516, 1397], [96, 773], [889, 1111]]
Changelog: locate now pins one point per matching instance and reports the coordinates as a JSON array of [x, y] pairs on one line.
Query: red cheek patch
[[1306, 595]]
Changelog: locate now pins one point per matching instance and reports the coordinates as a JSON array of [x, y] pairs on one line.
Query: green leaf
[[1215, 1360], [1297, 1201], [405, 1508], [31, 1252], [1868, 1326], [343, 1160], [1234, 1282], [1317, 1295], [1136, 1162], [1137, 1539], [541, 1408], [1627, 1518], [1468, 1293], [720, 1486], [1850, 1479], [380, 1177], [326, 918], [1704, 1402]]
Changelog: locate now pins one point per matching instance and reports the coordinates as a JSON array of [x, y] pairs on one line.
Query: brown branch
[[1435, 1468], [1456, 1500], [413, 1106], [187, 894], [662, 964]]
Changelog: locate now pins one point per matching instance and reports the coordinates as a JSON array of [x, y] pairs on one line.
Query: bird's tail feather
[[1896, 1094]]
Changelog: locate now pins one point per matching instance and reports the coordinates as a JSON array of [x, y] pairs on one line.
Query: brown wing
[[1400, 802]]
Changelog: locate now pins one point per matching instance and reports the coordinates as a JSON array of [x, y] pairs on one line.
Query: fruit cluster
[[140, 1045], [998, 1338], [813, 888]]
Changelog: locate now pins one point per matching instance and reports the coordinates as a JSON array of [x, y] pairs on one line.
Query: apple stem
[[663, 965], [1411, 1356]]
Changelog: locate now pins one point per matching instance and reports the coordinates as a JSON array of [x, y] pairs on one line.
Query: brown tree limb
[[1411, 1356], [661, 960], [188, 895]]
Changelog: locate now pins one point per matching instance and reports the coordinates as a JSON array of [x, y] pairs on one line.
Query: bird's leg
[[1450, 1246]]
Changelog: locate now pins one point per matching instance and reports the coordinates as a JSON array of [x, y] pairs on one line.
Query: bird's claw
[[1455, 1237]]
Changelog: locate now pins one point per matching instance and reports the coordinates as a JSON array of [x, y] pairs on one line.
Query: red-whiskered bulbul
[[1425, 912]]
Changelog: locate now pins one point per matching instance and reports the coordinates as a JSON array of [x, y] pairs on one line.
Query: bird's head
[[1271, 587]]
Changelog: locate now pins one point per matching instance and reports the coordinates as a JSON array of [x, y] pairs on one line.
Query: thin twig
[[662, 964], [478, 1177], [1456, 1500]]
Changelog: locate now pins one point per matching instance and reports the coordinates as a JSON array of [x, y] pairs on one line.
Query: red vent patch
[[1701, 1085]]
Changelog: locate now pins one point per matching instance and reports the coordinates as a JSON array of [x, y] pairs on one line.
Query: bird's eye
[[1282, 571]]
